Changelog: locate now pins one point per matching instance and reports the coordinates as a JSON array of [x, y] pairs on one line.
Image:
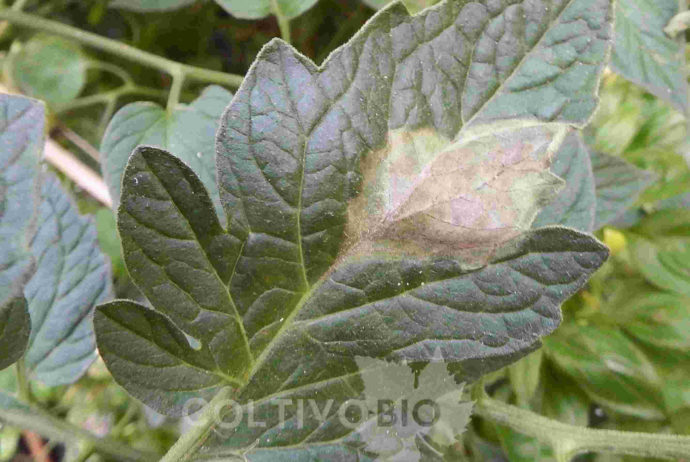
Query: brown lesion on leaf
[[428, 195]]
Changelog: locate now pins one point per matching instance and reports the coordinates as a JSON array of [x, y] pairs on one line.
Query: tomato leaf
[[645, 55], [618, 186], [342, 240], [49, 68], [21, 139], [575, 205], [257, 9], [189, 132], [72, 277]]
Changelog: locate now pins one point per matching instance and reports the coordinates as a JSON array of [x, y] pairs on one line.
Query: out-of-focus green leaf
[[562, 400], [660, 319], [188, 132], [644, 54], [609, 368], [681, 201], [524, 376], [672, 172], [646, 132], [619, 116], [575, 205], [522, 448], [674, 369], [49, 68], [72, 276], [413, 6], [618, 186], [257, 9], [21, 142], [150, 5], [660, 249]]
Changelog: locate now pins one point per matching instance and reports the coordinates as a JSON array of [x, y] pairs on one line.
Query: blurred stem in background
[[178, 71]]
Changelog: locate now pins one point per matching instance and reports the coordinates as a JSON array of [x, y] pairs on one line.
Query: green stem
[[23, 385], [569, 441], [113, 69], [44, 424], [168, 66], [175, 91], [186, 446], [283, 21], [106, 97]]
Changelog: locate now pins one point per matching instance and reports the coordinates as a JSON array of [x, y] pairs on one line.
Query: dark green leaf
[[72, 276], [15, 326], [356, 311], [181, 258], [290, 145], [188, 132], [665, 263], [618, 185], [610, 369], [257, 9], [21, 142], [660, 319], [49, 68], [644, 54], [282, 304], [575, 205]]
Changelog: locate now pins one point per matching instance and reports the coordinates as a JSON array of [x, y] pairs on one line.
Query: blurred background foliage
[[622, 356]]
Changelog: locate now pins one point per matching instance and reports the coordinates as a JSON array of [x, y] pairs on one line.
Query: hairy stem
[[175, 91], [568, 440], [106, 97], [114, 47], [283, 21], [23, 386], [186, 446]]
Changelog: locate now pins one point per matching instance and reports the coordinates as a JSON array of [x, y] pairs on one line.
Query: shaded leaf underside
[[21, 138], [72, 277]]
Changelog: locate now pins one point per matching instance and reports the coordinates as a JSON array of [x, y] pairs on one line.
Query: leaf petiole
[[569, 441]]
